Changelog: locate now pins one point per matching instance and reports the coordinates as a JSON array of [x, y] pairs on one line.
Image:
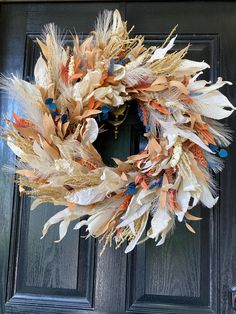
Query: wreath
[[76, 86]]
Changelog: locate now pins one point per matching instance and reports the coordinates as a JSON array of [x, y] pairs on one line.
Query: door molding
[[67, 1]]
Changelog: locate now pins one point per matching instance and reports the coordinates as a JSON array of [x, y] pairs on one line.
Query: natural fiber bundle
[[58, 163]]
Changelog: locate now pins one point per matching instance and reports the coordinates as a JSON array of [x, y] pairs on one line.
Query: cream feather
[[103, 27], [56, 54], [27, 95]]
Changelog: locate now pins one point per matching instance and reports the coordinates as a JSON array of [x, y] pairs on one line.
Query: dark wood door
[[189, 273]]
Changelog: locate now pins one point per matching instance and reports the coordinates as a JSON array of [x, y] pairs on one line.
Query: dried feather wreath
[[58, 163]]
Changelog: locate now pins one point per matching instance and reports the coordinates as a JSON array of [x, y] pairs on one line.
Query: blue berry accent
[[64, 118], [54, 114], [147, 128], [140, 114], [223, 153], [131, 189], [111, 67], [52, 106], [156, 183], [105, 111], [48, 101], [213, 147], [123, 61]]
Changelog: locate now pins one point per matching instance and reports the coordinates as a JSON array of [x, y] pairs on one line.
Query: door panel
[[189, 273], [181, 272], [213, 271]]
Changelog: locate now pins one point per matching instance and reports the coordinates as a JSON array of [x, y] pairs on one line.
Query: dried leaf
[[52, 151], [154, 145], [124, 176], [154, 88], [28, 133], [65, 127], [49, 127], [191, 217], [43, 48], [25, 172], [190, 228], [36, 203], [91, 131], [163, 194], [138, 157], [180, 86], [59, 130]]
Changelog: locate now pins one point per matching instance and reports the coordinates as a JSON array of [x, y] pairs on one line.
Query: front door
[[189, 273]]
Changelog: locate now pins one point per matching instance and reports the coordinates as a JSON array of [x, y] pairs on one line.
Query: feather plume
[[103, 27], [56, 54], [220, 131], [137, 75], [215, 163], [139, 233], [27, 95], [41, 73]]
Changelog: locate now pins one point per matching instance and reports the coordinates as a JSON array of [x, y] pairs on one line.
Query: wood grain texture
[[16, 27], [174, 269], [46, 264]]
